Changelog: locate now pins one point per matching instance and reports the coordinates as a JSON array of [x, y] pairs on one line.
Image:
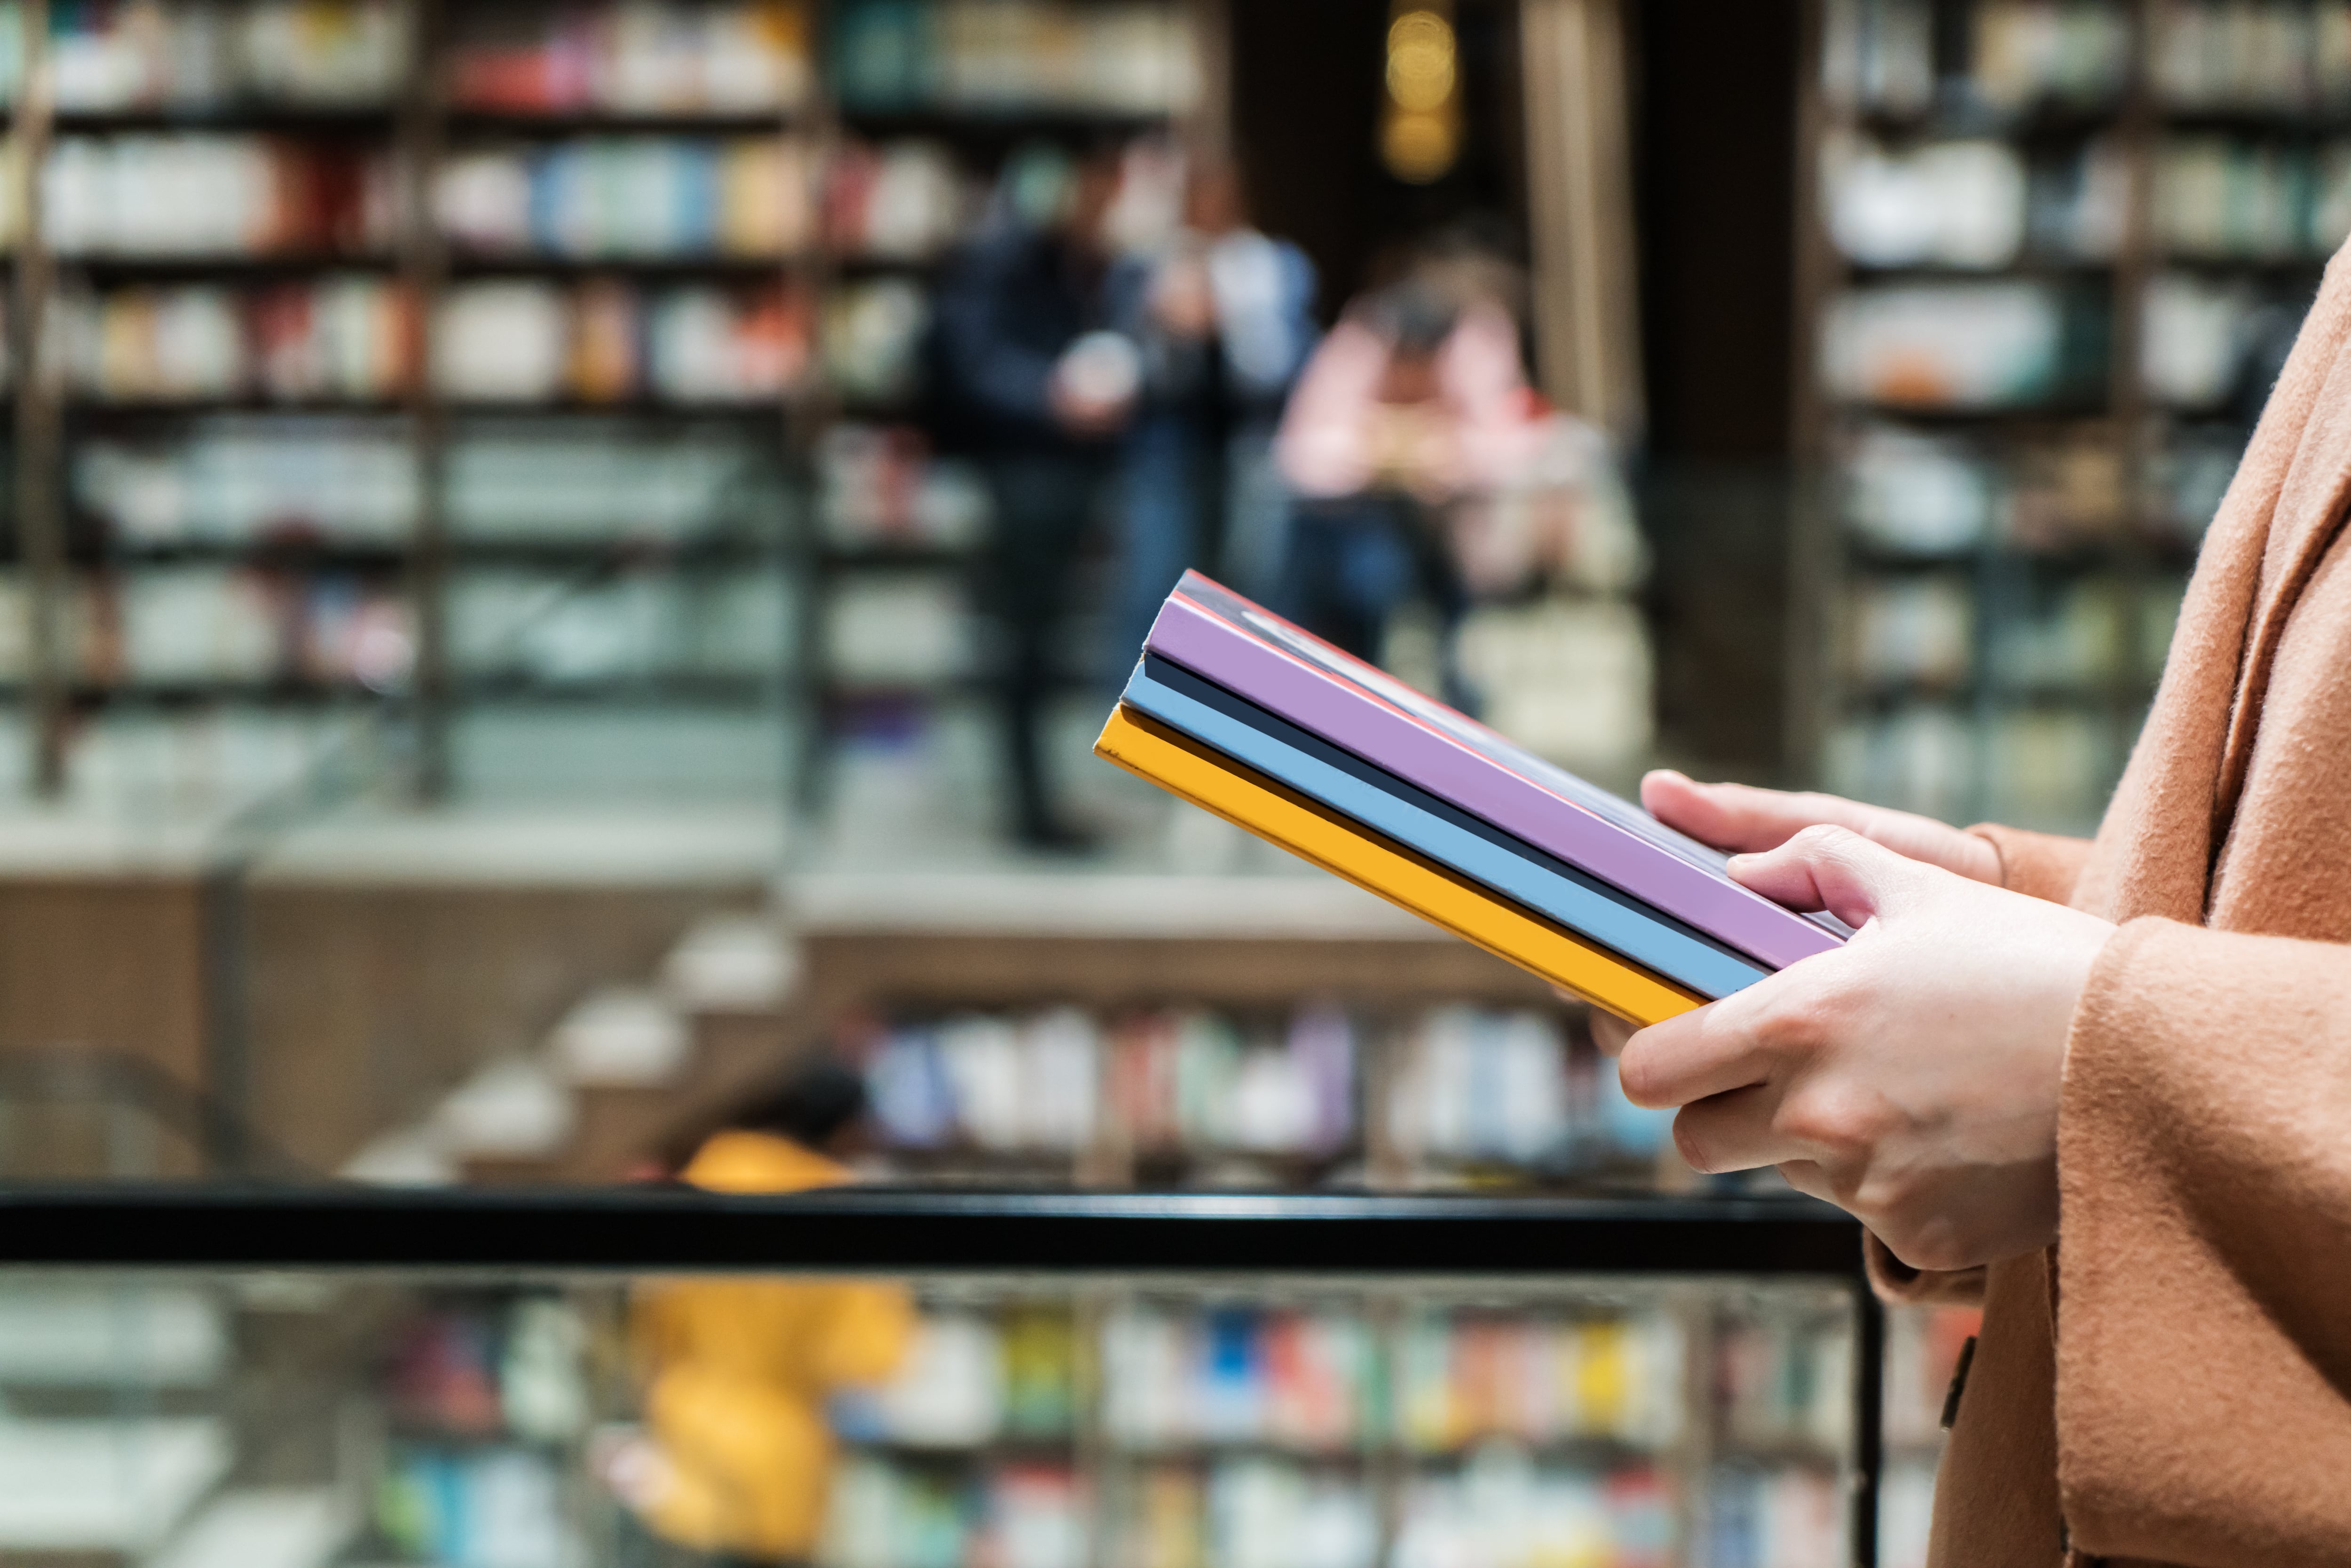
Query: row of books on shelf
[[2094, 634], [651, 198], [352, 338], [196, 625], [1466, 1086], [882, 485], [502, 1507], [356, 482], [213, 195], [176, 626], [2254, 55], [2025, 346], [1909, 494], [1430, 1382], [2204, 56], [631, 198], [190, 195], [1971, 203], [1524, 1432], [305, 53], [340, 338], [2230, 197], [632, 56], [1977, 203], [146, 760], [1502, 1510], [617, 57], [514, 1368], [620, 57], [2039, 767], [887, 56], [607, 340], [1339, 1379], [1125, 57]]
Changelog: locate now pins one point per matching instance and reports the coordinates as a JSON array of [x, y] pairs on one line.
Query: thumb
[[1834, 869]]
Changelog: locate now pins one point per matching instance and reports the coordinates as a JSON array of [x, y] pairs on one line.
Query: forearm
[[2204, 1352]]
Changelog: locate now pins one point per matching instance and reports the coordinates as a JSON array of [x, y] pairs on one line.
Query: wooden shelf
[[2038, 269], [108, 267], [1007, 122], [740, 267], [635, 407], [2038, 122], [466, 122], [83, 406], [655, 691], [283, 119], [2042, 416]]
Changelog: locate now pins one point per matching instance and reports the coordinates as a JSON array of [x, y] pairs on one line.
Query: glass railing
[[893, 1379]]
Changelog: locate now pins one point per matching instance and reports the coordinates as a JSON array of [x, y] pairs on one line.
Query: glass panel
[[488, 1422]]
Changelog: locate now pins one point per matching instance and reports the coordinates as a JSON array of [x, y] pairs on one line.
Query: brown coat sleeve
[[2204, 1286], [2041, 865]]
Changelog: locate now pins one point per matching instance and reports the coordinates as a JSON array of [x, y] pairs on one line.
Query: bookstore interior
[[1031, 614]]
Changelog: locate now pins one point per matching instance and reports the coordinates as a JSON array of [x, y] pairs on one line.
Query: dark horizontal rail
[[897, 1231]]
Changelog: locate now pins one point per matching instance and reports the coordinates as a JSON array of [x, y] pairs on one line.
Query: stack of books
[[1239, 712]]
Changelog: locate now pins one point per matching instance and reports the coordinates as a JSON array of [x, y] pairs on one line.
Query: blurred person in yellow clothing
[[738, 1371]]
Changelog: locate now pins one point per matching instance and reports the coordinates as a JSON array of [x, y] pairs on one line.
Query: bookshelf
[[542, 380], [2049, 260], [1058, 1426]]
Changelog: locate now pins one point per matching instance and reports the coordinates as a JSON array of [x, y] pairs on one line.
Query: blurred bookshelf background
[[506, 623], [1052, 1427], [2061, 253]]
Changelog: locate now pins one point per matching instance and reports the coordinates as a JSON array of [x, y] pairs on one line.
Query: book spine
[[1395, 741], [1443, 898], [1651, 943]]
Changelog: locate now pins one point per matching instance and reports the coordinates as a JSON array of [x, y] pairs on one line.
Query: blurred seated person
[[1223, 317], [738, 1371], [1416, 400], [1038, 388]]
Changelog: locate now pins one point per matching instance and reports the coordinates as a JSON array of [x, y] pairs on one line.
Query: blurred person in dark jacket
[[737, 1371], [1222, 315], [1039, 389]]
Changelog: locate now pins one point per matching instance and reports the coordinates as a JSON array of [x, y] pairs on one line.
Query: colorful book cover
[[1183, 767], [1453, 838], [1305, 681]]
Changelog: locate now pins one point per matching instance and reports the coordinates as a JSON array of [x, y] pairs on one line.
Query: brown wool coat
[[2171, 1382]]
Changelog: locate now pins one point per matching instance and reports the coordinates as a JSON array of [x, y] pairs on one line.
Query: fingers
[[1711, 1051], [1732, 1133], [1832, 869], [1739, 818], [1733, 816]]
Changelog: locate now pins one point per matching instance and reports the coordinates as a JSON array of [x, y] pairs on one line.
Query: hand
[[1094, 386], [1183, 299], [1737, 817], [1911, 1077], [1741, 817], [1088, 418]]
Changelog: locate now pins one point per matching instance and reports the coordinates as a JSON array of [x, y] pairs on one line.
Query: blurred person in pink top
[[1416, 400]]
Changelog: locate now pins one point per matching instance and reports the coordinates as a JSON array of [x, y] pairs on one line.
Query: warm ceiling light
[[1420, 131], [1420, 61]]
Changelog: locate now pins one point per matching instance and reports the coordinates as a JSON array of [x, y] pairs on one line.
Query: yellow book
[[1247, 798]]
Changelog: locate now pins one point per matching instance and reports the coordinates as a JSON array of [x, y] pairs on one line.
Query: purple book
[[1221, 636]]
